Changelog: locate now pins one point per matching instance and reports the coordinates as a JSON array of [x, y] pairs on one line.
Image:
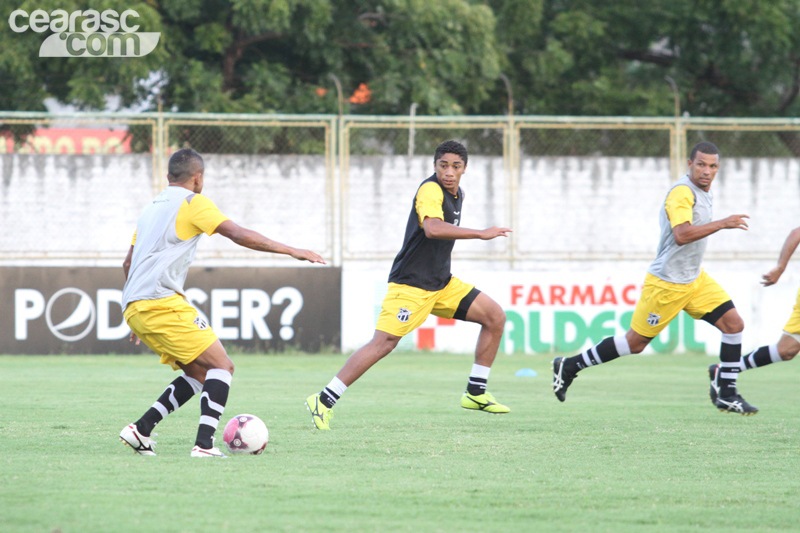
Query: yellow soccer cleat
[[483, 402], [320, 413]]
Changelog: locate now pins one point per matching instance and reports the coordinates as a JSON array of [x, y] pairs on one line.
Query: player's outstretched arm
[[686, 232], [436, 228], [789, 246], [255, 241]]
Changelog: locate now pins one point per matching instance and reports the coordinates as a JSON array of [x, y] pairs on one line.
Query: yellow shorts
[[661, 301], [405, 308], [792, 327], [171, 328]]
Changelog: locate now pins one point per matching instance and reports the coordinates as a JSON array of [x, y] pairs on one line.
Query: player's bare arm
[[255, 241], [436, 228], [789, 246], [686, 232], [126, 265]]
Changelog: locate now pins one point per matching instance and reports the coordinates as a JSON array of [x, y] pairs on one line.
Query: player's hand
[[307, 255], [735, 221], [493, 232], [772, 277], [134, 339]]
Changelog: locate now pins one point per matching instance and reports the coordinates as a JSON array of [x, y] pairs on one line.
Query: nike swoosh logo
[[456, 212]]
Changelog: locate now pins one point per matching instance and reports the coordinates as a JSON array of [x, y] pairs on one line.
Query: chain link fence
[[570, 187]]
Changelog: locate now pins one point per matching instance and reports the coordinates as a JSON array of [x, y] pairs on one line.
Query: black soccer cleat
[[713, 390], [735, 404], [562, 378]]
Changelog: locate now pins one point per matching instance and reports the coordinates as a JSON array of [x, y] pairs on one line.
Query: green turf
[[636, 447]]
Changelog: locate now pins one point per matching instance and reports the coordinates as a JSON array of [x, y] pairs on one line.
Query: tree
[[26, 79], [729, 58], [577, 57]]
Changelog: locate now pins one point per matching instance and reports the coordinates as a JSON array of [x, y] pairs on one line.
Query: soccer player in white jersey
[[676, 282], [789, 344], [167, 234]]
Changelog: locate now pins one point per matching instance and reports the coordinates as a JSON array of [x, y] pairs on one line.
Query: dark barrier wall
[[78, 310]]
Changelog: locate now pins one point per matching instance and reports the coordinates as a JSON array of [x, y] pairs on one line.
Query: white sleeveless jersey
[[161, 259], [682, 263]]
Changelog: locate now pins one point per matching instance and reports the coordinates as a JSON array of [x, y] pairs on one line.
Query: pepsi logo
[[70, 314]]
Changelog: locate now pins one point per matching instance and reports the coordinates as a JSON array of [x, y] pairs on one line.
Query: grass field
[[636, 447]]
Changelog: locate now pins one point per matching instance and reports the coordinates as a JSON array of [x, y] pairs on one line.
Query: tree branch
[[647, 56], [790, 95], [234, 52]]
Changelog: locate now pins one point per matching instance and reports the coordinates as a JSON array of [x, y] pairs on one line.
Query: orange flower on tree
[[361, 95]]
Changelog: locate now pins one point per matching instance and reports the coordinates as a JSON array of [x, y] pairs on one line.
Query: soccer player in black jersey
[[420, 283]]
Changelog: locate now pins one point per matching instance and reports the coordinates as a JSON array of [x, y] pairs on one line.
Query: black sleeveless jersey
[[424, 262]]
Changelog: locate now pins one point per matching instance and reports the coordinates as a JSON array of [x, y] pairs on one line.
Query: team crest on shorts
[[201, 324], [653, 319], [403, 314]]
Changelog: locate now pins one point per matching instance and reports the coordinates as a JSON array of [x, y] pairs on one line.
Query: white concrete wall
[[566, 205], [88, 203], [602, 208]]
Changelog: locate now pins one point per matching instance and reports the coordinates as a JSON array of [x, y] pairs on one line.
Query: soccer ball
[[245, 434]]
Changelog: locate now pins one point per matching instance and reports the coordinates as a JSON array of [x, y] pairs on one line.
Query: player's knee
[[637, 346], [732, 324], [637, 343], [384, 344], [496, 321], [787, 353], [227, 364]]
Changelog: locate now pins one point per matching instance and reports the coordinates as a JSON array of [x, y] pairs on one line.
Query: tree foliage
[[577, 57]]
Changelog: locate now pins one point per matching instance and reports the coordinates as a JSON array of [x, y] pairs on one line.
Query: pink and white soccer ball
[[246, 434]]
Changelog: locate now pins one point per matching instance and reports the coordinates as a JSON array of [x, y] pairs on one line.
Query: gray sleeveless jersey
[[682, 264], [160, 259]]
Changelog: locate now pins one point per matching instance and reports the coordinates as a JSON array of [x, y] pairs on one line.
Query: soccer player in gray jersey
[[166, 238], [676, 282]]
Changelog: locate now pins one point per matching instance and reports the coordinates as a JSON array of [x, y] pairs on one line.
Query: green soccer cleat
[[483, 402], [320, 413]]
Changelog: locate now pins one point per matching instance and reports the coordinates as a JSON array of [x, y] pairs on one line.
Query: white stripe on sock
[[621, 342], [337, 386], [732, 338], [212, 404], [480, 371], [209, 421], [728, 375], [773, 353], [193, 383], [220, 374], [161, 409], [172, 398], [586, 359], [596, 357]]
